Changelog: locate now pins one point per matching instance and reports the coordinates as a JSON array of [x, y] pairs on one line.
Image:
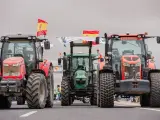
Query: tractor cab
[[131, 52], [79, 75], [21, 64]]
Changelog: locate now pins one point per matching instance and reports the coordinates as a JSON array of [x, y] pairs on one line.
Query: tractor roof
[[82, 55], [21, 37]]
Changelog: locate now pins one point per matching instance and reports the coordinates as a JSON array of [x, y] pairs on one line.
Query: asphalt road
[[80, 111]]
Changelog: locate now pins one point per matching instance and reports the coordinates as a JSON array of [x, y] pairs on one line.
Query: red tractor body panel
[[45, 67], [14, 68], [151, 64], [130, 63]]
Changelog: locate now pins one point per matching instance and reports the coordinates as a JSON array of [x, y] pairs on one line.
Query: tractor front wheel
[[93, 99], [20, 100], [65, 97], [5, 102], [50, 98], [155, 88], [106, 90], [36, 91]]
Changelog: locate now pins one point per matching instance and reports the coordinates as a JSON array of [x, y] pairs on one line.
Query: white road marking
[[158, 110], [28, 114]]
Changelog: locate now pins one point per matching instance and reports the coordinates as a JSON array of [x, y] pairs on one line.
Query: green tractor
[[79, 75]]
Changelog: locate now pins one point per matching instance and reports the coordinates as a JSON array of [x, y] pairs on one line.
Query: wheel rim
[[42, 92]]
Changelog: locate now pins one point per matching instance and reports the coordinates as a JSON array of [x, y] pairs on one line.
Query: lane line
[[28, 114], [150, 109]]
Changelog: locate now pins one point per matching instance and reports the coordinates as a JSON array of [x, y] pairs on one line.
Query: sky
[[71, 17]]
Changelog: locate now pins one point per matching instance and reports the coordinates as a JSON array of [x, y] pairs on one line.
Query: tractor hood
[[132, 59], [14, 68], [13, 60], [80, 74]]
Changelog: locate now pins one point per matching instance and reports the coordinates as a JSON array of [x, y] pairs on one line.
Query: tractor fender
[[45, 66], [102, 68], [151, 64], [39, 71]]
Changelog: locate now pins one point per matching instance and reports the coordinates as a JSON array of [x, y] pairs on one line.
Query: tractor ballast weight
[[25, 75], [79, 77], [127, 73]]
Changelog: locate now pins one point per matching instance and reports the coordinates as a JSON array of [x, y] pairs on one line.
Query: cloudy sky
[[71, 17]]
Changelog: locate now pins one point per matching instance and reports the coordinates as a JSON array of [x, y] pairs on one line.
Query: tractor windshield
[[126, 47], [136, 46], [80, 61], [18, 48]]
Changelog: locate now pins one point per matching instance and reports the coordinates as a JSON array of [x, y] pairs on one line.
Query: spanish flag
[[90, 33], [41, 27]]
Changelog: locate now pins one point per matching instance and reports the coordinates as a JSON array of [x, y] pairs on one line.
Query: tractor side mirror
[[97, 40], [47, 45], [59, 61], [101, 59], [158, 40]]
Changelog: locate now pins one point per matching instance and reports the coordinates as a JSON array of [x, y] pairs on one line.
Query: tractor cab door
[[39, 53]]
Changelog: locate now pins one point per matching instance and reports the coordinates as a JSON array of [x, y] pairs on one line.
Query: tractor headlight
[[5, 65], [77, 79], [126, 64], [15, 65], [138, 74], [15, 74], [138, 64], [126, 74], [5, 74], [83, 79]]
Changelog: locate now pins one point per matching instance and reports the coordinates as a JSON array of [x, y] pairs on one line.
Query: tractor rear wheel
[[155, 88], [5, 102], [65, 97], [106, 90], [36, 91], [50, 98], [93, 99], [20, 100]]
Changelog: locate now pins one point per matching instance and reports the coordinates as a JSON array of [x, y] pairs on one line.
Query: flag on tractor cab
[[41, 27], [90, 33]]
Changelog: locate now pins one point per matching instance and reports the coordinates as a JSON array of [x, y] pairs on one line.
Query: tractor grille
[[11, 70], [133, 71]]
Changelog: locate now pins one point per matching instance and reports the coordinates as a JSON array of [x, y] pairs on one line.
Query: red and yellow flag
[[41, 27], [90, 33]]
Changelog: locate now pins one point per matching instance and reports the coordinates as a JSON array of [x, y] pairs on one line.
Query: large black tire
[[20, 100], [65, 96], [93, 99], [106, 90], [144, 100], [36, 91], [155, 90], [98, 100], [50, 98], [5, 102]]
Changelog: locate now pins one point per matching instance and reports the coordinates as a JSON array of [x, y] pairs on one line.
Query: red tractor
[[25, 75], [126, 71]]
